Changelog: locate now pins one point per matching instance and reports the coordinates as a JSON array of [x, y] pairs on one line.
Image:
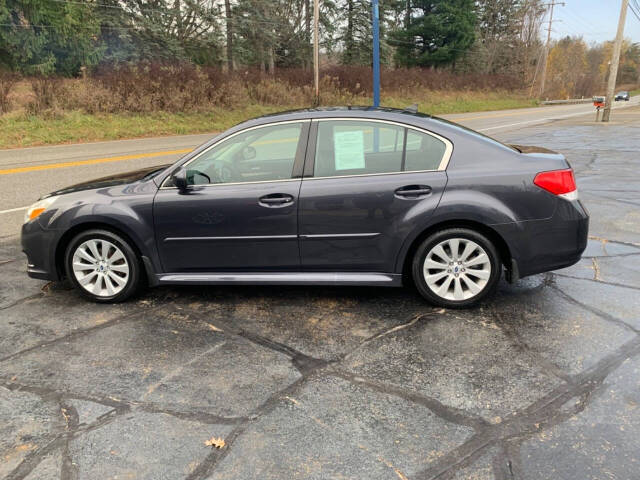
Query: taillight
[[558, 182]]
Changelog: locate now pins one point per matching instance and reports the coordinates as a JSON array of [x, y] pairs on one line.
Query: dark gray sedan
[[340, 196]]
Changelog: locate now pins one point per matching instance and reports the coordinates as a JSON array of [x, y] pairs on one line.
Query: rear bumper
[[544, 245], [39, 246]]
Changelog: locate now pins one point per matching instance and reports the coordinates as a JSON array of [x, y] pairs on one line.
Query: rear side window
[[424, 152], [346, 147]]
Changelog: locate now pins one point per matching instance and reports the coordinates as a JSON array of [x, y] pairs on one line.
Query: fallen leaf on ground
[[215, 442]]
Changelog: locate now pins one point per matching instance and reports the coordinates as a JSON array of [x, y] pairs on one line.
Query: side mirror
[[180, 180]]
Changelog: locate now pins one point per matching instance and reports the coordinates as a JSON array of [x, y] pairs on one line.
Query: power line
[[585, 23], [19, 25], [105, 5], [140, 27], [636, 10], [170, 11]]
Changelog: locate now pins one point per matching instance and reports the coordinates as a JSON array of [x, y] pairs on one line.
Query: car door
[[366, 185], [240, 211]]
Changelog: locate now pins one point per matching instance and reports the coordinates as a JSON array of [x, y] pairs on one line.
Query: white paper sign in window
[[349, 150]]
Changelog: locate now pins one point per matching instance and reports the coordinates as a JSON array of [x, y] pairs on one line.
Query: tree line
[[68, 37], [45, 36]]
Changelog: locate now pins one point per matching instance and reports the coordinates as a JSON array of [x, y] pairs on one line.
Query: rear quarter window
[[424, 152]]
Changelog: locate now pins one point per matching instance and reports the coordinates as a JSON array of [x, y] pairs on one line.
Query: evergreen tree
[[357, 33], [435, 33], [45, 36]]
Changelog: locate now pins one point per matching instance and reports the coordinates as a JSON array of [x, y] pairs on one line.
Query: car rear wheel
[[456, 267], [102, 266]]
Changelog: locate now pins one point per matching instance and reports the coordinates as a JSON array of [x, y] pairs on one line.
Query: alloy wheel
[[457, 269], [100, 267]]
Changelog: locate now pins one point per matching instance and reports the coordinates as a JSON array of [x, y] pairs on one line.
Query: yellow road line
[[78, 163]]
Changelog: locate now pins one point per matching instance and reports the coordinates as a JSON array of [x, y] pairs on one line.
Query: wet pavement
[[542, 381]]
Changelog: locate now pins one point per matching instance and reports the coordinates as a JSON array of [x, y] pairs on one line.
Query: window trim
[[313, 140], [297, 162]]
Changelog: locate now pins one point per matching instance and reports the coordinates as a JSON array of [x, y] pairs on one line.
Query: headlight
[[37, 208]]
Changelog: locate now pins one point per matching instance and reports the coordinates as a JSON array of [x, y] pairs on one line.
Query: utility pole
[[307, 32], [316, 51], [543, 78], [375, 14], [615, 60]]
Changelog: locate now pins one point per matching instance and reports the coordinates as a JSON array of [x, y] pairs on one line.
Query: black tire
[[135, 272], [447, 234]]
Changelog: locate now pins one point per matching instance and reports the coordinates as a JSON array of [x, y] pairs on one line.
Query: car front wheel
[[456, 267], [102, 266]]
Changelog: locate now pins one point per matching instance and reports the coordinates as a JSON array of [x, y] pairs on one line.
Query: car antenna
[[411, 108]]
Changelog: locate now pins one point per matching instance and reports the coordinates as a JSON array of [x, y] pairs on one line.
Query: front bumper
[[543, 245], [39, 244]]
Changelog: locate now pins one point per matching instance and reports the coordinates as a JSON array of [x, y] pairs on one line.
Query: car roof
[[352, 108], [348, 111], [407, 117]]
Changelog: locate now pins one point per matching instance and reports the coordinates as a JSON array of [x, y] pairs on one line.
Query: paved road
[[26, 174], [541, 381]]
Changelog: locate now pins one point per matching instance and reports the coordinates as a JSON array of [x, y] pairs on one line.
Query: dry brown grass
[[165, 99], [7, 82], [155, 87]]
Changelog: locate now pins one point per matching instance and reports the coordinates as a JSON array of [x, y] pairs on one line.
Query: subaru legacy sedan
[[337, 196]]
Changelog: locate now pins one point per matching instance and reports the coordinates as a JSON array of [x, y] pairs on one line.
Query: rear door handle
[[276, 200], [413, 191]]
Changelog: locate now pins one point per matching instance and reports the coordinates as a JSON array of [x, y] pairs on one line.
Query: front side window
[[260, 154], [346, 147]]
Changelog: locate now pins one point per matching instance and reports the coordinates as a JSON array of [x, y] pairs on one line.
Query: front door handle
[[276, 200], [413, 191]]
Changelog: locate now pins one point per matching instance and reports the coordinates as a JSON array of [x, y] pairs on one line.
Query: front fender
[[132, 216]]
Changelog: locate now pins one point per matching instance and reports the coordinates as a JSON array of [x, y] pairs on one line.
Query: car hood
[[110, 181]]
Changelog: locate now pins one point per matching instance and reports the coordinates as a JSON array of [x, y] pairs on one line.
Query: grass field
[[20, 129]]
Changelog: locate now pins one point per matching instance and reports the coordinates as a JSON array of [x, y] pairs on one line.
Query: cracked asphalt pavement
[[542, 381]]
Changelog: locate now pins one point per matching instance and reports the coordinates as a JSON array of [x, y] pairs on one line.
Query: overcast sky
[[594, 20]]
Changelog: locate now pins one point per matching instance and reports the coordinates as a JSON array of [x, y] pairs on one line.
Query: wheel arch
[[404, 262], [65, 239]]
